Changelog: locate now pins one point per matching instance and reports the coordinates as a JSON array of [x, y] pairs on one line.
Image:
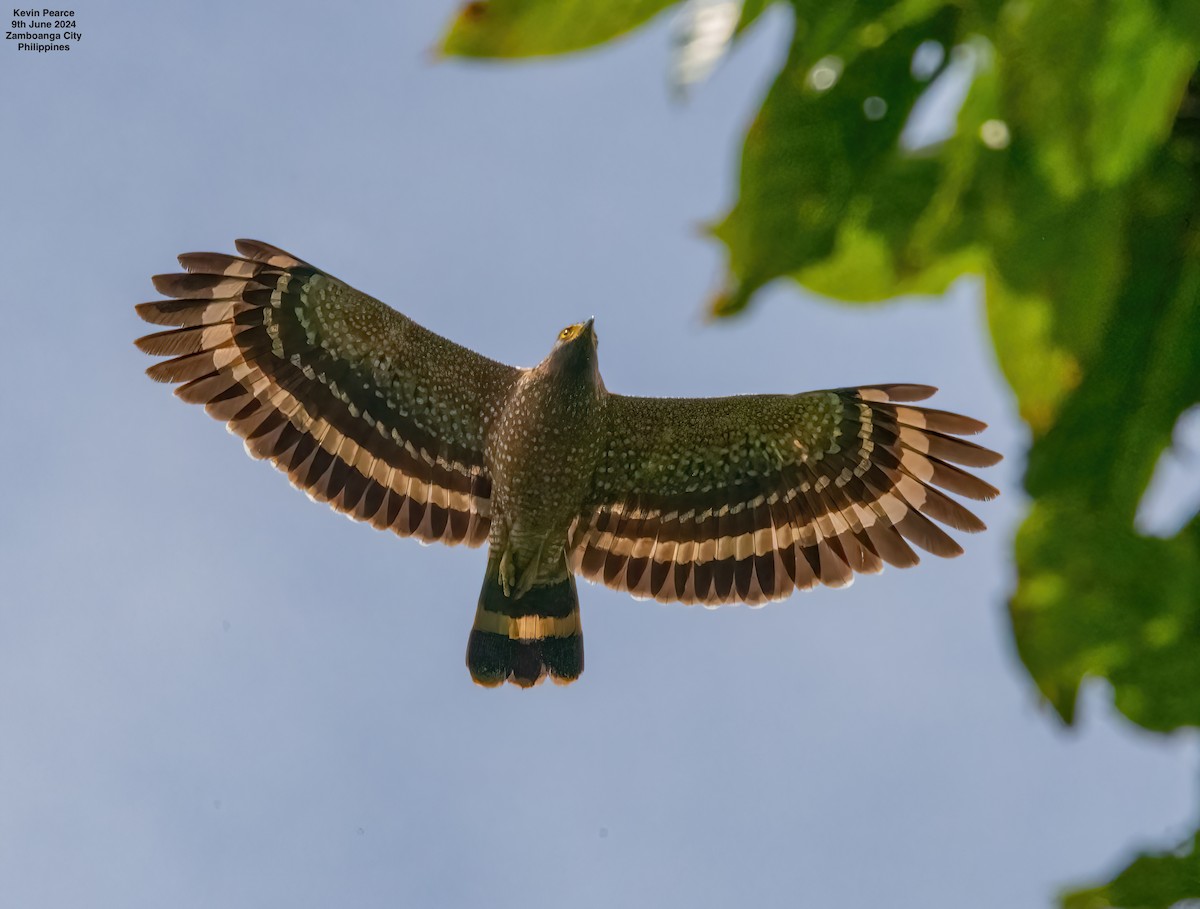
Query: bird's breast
[[542, 455]]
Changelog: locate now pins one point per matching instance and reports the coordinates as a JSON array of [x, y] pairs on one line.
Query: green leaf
[[751, 10], [1150, 882], [823, 179], [527, 28], [1095, 598], [1056, 270], [1094, 86]]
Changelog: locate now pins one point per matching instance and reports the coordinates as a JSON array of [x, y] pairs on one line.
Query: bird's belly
[[532, 517], [542, 459], [541, 498]]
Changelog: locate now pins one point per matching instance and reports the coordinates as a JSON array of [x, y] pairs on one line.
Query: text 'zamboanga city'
[[43, 30]]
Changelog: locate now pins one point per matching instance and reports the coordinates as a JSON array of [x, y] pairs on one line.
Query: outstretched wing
[[721, 500], [359, 405]]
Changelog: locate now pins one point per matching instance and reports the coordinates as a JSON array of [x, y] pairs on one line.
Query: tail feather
[[527, 639]]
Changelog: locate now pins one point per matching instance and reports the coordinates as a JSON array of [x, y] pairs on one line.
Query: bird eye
[[564, 334]]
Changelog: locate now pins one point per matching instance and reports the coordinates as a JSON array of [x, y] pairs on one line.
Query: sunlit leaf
[[526, 28], [1056, 270], [820, 172], [751, 10], [1094, 87], [1150, 882], [1095, 597]]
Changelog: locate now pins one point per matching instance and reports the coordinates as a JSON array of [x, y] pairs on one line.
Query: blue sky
[[215, 693]]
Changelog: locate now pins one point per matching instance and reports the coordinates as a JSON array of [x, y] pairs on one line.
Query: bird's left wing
[[743, 499], [359, 405]]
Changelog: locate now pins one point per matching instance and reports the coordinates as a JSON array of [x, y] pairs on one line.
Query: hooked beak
[[588, 330]]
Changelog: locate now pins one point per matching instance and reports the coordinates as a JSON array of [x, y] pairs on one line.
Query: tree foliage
[[1150, 882], [1072, 184]]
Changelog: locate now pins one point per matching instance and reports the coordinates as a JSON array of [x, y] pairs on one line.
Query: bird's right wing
[[743, 499], [360, 406]]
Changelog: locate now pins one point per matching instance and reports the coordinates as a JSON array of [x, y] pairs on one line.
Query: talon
[[508, 574], [530, 574]]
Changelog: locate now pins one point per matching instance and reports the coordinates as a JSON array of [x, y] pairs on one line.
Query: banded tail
[[524, 640]]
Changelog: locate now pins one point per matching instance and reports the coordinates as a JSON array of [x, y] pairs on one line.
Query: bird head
[[579, 333], [574, 349]]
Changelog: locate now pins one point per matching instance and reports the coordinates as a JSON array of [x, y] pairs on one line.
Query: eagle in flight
[[691, 500]]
